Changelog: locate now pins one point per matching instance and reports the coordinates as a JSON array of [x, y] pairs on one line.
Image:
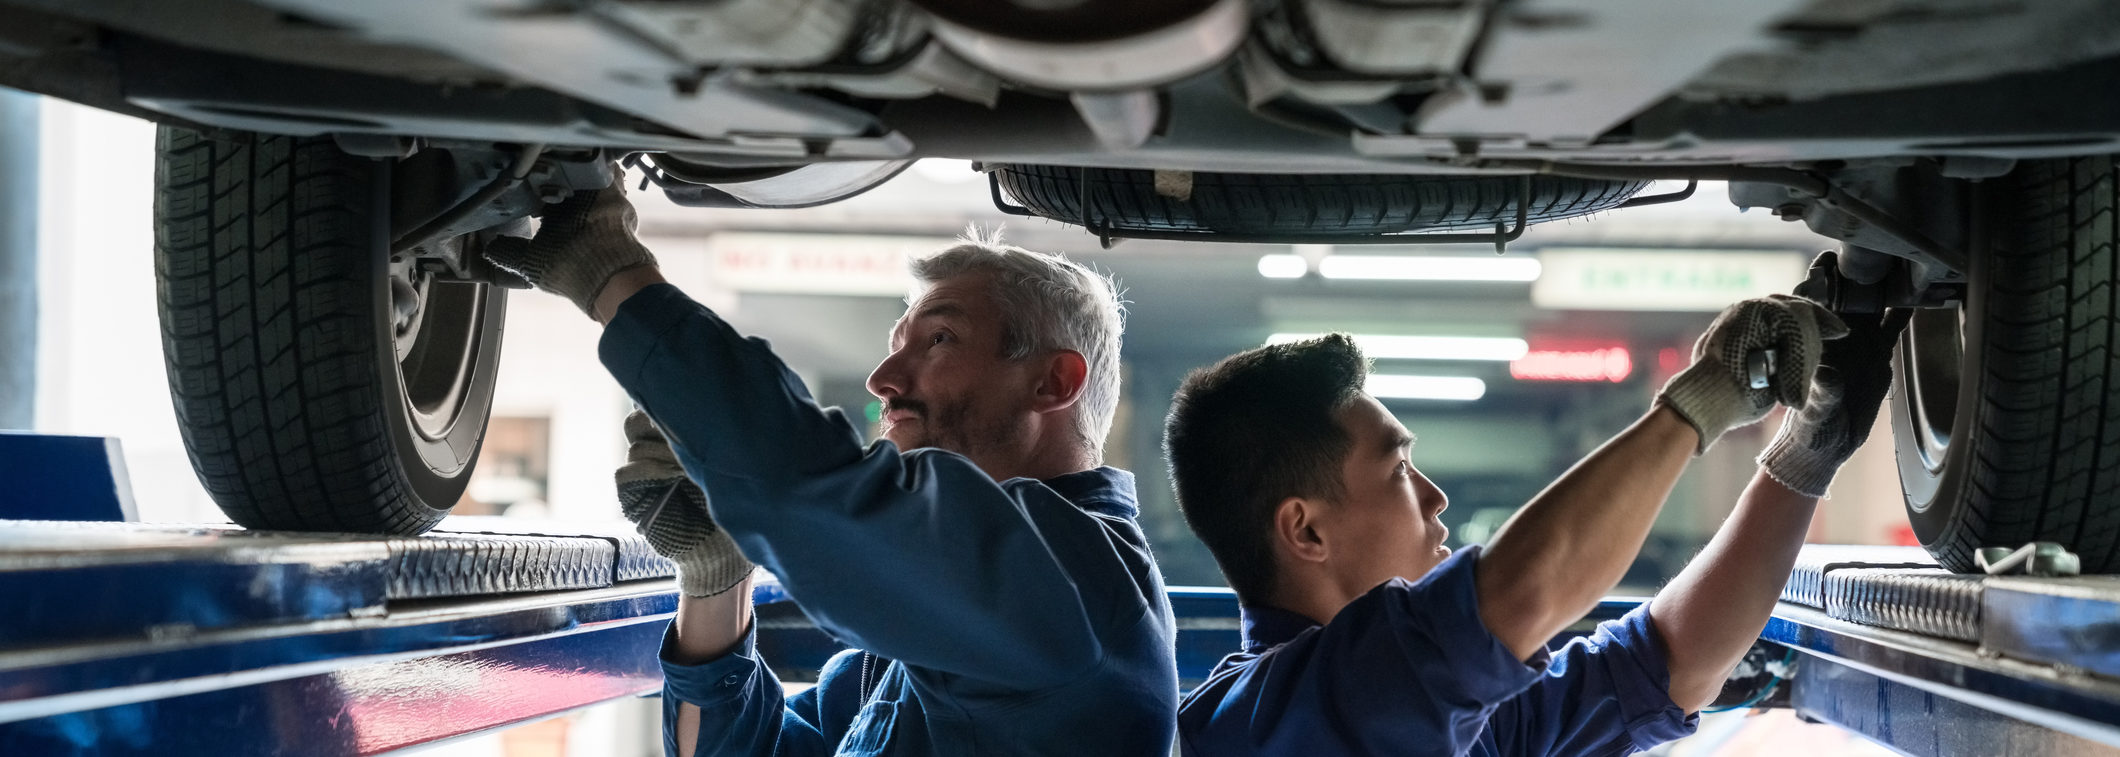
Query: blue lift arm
[[137, 638], [1934, 663]]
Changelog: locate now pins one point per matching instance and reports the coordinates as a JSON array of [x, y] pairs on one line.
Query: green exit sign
[[1579, 278]]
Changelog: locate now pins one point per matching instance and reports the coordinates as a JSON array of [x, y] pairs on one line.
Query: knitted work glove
[[583, 242], [1854, 374], [1715, 393], [671, 511]]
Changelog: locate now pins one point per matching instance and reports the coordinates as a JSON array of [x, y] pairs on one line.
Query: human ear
[[1295, 530], [1060, 385]]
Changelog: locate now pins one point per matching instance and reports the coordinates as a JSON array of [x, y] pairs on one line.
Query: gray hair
[[1047, 302]]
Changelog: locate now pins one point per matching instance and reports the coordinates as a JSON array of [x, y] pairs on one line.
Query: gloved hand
[[671, 512], [1854, 373], [583, 242], [1715, 393]]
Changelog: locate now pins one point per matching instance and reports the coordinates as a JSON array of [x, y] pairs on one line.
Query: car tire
[[1271, 205], [2007, 417], [308, 396]]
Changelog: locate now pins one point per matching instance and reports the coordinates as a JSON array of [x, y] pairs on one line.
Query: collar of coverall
[[1268, 627], [1103, 490]]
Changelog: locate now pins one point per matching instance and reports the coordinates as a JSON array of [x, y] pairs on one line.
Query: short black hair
[[1253, 430]]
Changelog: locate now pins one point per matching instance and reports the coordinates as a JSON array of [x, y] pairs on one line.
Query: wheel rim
[[1932, 350], [435, 332]]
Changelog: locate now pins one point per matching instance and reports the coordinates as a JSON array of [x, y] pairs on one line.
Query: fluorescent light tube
[[1489, 268], [1283, 266], [1452, 388], [1382, 347], [1404, 268]]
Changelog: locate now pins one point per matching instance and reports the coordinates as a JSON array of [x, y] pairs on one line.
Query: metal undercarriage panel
[[1316, 85]]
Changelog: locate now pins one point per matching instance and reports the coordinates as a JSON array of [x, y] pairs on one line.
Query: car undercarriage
[[1960, 149]]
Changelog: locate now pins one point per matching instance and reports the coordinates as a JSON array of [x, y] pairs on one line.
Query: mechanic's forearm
[[1561, 553], [707, 628], [622, 285], [1713, 611]]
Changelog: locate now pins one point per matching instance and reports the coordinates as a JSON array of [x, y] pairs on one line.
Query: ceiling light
[[1489, 268], [1383, 347], [1453, 388], [1283, 266], [1404, 268]]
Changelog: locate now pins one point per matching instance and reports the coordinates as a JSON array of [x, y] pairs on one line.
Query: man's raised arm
[[860, 535], [1562, 552], [1714, 610]]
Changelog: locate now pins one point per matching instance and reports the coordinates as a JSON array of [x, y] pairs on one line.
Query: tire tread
[[262, 248], [2046, 460]]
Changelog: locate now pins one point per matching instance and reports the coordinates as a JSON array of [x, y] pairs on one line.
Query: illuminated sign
[[1585, 278], [846, 264], [1608, 364]]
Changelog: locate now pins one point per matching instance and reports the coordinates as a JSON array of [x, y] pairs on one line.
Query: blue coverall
[[1410, 669], [1023, 617]]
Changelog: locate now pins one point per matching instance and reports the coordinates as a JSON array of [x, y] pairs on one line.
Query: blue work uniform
[[1409, 668], [1021, 617]]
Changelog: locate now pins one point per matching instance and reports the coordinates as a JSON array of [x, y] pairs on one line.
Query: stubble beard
[[957, 428]]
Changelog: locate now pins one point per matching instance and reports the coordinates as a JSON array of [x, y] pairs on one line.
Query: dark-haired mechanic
[[1363, 634]]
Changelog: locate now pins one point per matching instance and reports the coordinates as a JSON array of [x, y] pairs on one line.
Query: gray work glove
[[1715, 394], [583, 242], [671, 512], [1854, 374]]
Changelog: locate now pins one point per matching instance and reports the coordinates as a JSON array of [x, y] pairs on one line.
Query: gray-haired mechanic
[[980, 553]]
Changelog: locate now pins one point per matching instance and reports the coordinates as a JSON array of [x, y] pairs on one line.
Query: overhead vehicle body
[[328, 171]]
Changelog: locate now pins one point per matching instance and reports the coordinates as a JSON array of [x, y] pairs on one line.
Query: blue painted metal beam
[[343, 687], [1919, 721], [1927, 695], [130, 639], [362, 707], [170, 639]]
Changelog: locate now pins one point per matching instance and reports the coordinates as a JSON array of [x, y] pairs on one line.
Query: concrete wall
[[18, 258]]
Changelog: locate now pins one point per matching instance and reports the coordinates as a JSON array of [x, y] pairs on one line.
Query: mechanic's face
[[1387, 525], [946, 384]]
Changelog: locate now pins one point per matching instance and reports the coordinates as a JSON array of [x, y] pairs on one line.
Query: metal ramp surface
[[1934, 663], [130, 638]]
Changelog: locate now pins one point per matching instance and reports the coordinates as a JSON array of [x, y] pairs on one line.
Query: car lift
[[131, 638]]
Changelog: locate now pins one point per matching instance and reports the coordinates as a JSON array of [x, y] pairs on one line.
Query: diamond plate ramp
[[458, 565], [1806, 584], [632, 558], [1929, 601]]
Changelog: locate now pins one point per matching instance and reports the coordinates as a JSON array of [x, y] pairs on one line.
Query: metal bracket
[[2039, 558], [1667, 197]]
